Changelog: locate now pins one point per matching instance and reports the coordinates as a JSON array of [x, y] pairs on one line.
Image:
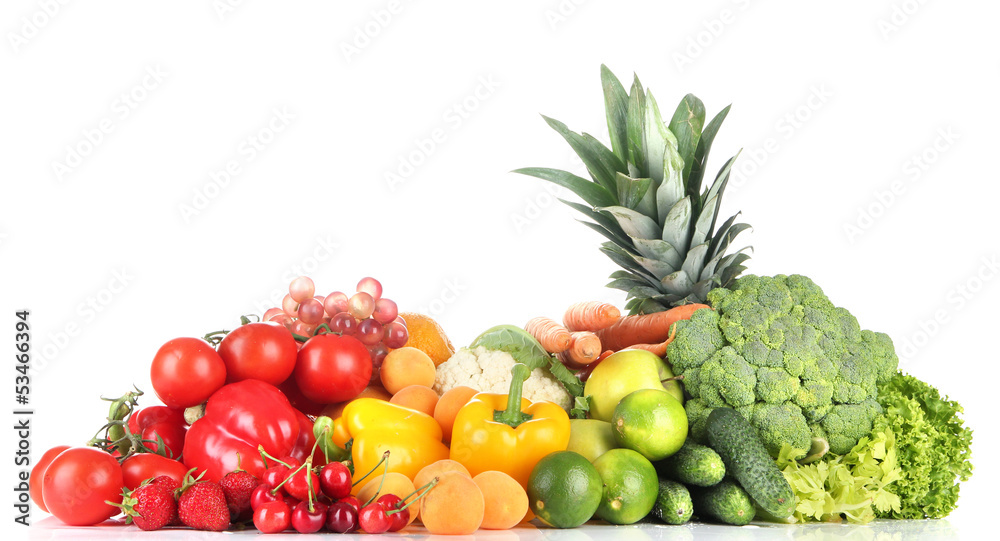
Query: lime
[[651, 422], [564, 489], [590, 437], [630, 486]]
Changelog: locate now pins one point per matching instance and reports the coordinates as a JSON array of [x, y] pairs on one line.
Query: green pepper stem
[[513, 416]]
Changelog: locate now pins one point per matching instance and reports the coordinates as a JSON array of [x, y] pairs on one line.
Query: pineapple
[[645, 197]]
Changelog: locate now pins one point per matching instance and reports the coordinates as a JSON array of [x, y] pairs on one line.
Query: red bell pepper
[[160, 422], [238, 418]]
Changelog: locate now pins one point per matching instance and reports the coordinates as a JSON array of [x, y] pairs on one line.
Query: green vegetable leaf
[[516, 341], [581, 407], [568, 379]]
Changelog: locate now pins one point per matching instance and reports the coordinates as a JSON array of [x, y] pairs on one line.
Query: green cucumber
[[673, 502], [726, 502], [748, 462], [693, 464]]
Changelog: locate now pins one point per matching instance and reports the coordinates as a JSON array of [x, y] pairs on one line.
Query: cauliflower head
[[779, 352], [488, 371]]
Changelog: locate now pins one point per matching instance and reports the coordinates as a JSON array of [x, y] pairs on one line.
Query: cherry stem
[[422, 492], [385, 456], [308, 462], [264, 456], [309, 483]]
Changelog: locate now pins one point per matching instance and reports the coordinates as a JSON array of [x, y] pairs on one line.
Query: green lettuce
[[853, 487], [934, 447]]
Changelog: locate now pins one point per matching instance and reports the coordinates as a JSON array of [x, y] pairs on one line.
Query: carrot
[[649, 329], [660, 349], [584, 349], [550, 334], [590, 316]]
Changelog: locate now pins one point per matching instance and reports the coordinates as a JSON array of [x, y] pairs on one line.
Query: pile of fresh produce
[[715, 396]]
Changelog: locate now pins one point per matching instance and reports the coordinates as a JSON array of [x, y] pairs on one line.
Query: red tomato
[[291, 391], [264, 351], [332, 368], [186, 371], [78, 482], [38, 472], [161, 422], [139, 467]]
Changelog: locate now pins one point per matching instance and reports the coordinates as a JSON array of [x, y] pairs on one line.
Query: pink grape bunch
[[366, 315]]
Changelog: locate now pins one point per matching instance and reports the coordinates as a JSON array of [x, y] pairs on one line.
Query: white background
[[834, 105]]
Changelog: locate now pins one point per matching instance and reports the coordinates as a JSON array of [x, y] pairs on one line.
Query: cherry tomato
[[161, 422], [78, 483], [264, 351], [332, 368], [186, 371], [139, 467], [37, 473]]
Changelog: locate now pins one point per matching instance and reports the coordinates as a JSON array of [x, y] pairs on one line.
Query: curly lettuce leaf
[[934, 447]]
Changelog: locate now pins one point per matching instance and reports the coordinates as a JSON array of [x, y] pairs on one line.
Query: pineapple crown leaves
[[645, 197]]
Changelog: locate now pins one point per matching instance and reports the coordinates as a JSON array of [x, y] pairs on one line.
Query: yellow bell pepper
[[412, 438], [508, 433]]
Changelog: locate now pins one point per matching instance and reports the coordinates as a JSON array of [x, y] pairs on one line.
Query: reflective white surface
[[884, 530]]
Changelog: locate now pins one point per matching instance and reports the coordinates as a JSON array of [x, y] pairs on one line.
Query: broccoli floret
[[777, 350], [697, 414], [778, 424], [845, 424], [727, 379]]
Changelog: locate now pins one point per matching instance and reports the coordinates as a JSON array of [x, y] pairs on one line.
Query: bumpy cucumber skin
[[673, 503], [726, 502], [693, 464], [749, 463]]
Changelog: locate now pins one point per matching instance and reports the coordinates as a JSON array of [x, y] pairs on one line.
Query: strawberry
[[149, 506], [238, 485], [202, 506], [170, 484]]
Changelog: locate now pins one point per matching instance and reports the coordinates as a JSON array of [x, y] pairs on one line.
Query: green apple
[[620, 374], [590, 437]]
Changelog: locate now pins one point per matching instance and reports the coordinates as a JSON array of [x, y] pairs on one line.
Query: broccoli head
[[778, 351]]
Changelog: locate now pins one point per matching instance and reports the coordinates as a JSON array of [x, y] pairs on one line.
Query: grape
[[396, 335], [361, 305], [369, 332], [290, 306], [370, 286], [270, 313], [344, 323], [301, 288], [282, 319], [385, 311], [311, 312], [378, 353], [302, 328], [335, 303]]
